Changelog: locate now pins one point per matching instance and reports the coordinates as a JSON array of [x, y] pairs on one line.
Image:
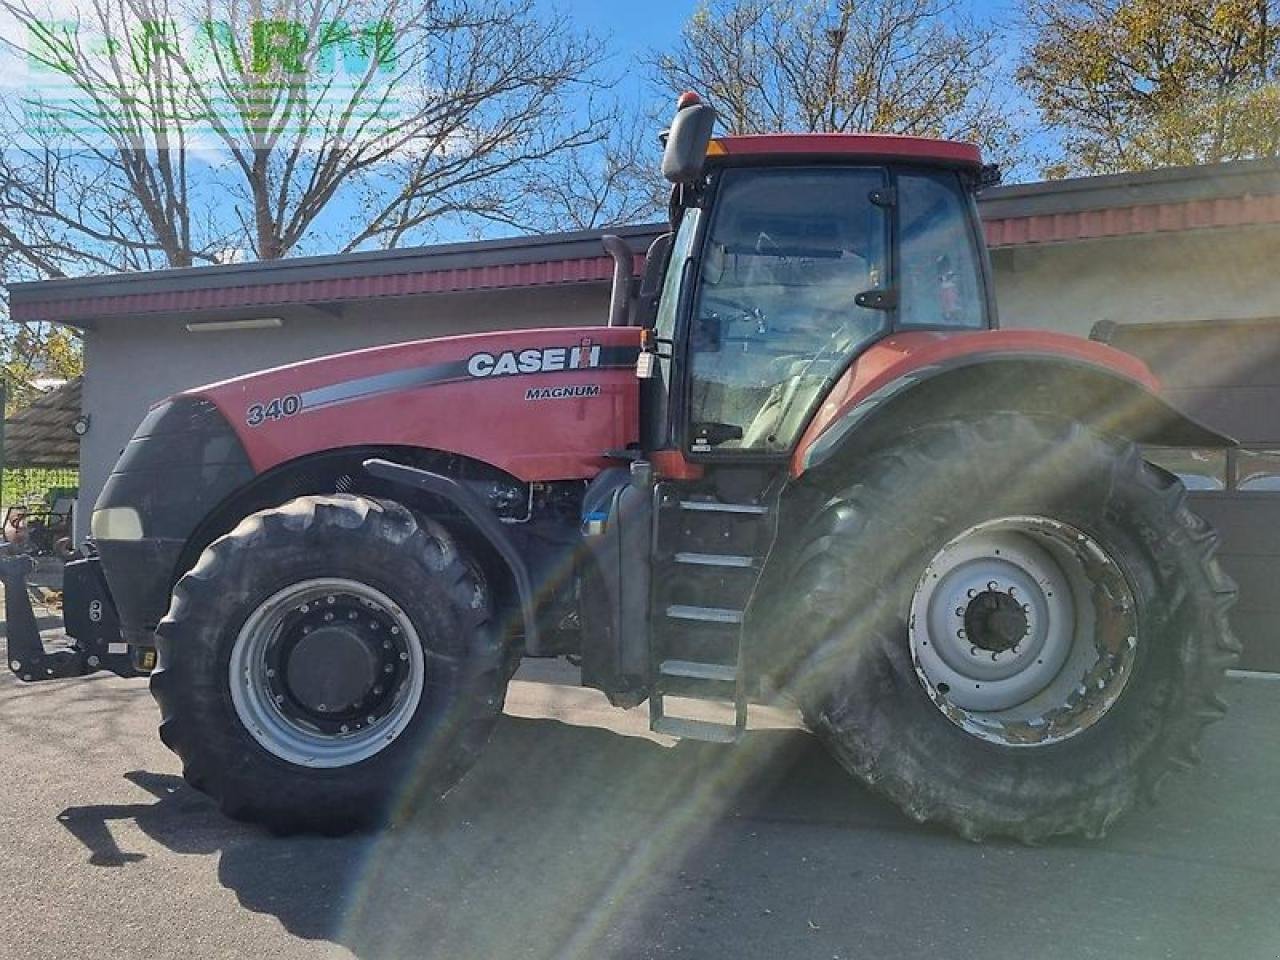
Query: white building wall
[[1158, 278]]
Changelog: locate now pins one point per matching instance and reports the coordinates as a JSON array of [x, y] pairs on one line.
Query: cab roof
[[853, 146]]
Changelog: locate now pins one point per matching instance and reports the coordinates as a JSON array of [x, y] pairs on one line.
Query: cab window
[[940, 283], [775, 317]]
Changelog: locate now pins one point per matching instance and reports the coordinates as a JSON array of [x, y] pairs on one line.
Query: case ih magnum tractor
[[802, 461]]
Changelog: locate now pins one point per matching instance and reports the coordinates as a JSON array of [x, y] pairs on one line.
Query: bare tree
[[610, 183], [189, 131], [898, 66]]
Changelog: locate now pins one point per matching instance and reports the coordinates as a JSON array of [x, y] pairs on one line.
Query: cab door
[[791, 284]]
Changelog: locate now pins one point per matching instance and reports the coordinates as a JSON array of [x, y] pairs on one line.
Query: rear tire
[[257, 738], [872, 697]]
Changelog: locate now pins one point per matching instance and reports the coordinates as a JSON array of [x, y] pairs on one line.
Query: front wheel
[[1013, 626], [327, 662]]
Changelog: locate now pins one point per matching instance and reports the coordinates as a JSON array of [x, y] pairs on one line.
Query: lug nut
[[329, 599], [388, 668], [270, 673], [304, 608], [403, 655], [328, 617]]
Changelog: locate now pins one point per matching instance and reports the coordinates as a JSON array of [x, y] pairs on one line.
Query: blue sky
[[633, 28]]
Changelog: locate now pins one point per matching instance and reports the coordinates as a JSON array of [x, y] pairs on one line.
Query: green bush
[[36, 484]]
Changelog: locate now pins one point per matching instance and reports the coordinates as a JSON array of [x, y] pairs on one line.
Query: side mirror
[[655, 271], [655, 265], [687, 140]]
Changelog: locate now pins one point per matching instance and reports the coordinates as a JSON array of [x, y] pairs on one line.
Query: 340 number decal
[[275, 409]]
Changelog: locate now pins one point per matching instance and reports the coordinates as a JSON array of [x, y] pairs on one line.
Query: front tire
[[328, 662], [956, 699]]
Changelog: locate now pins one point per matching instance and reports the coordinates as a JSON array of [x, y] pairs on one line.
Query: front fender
[[918, 377], [484, 522]]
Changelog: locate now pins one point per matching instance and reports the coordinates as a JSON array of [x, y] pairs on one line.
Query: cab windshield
[[776, 313]]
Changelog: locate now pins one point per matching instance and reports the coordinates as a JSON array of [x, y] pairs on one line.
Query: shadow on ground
[[547, 849], [578, 842]]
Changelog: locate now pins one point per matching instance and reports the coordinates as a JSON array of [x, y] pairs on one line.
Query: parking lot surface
[[579, 835]]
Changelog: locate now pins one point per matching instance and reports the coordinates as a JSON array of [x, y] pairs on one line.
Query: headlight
[[116, 523]]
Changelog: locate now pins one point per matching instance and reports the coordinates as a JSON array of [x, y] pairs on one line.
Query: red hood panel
[[539, 404]]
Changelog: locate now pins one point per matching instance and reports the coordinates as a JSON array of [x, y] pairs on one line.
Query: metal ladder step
[[698, 670], [704, 614], [715, 560], [687, 729], [715, 506], [699, 664]]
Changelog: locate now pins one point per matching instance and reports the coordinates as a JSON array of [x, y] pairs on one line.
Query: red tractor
[[801, 461]]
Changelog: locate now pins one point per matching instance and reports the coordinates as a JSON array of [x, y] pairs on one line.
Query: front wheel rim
[[287, 715], [1023, 631]]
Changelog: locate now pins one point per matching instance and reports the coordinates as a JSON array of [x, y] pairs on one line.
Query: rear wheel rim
[[1023, 631], [278, 682]]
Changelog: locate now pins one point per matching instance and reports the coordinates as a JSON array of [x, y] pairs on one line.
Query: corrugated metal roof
[[322, 290], [1130, 220]]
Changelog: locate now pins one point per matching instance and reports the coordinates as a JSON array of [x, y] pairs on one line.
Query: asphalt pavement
[[579, 835]]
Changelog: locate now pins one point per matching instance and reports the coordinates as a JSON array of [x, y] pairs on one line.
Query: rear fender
[[1119, 399]]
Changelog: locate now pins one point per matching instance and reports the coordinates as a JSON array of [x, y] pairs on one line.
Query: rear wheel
[[1014, 626], [327, 662]]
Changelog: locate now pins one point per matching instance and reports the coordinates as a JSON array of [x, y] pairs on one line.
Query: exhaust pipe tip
[[623, 261]]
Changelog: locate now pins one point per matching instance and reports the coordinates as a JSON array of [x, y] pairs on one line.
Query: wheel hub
[[1007, 635], [331, 670], [995, 621], [326, 673]]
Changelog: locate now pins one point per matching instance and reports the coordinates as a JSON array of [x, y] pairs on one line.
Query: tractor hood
[[540, 404]]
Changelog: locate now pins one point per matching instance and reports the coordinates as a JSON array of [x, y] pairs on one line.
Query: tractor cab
[[790, 256]]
